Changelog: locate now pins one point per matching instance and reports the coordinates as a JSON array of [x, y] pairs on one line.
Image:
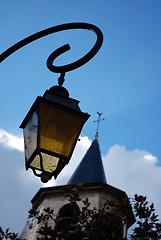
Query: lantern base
[[45, 178]]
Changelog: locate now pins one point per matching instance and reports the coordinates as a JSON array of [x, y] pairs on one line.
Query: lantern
[[51, 130]]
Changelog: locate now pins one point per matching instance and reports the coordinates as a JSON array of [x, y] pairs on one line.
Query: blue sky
[[122, 81]]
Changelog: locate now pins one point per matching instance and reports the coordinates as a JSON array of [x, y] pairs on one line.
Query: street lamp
[[53, 124], [51, 130]]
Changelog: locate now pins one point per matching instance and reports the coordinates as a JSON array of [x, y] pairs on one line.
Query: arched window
[[69, 210], [68, 218]]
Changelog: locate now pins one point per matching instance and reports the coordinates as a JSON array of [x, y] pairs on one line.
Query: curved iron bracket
[[64, 48]]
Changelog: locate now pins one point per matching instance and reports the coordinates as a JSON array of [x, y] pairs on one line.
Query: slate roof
[[90, 169]]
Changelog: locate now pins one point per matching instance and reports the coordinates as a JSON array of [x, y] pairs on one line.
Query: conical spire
[[90, 168]]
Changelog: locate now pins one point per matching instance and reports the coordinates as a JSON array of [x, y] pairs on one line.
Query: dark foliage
[[8, 235], [148, 225]]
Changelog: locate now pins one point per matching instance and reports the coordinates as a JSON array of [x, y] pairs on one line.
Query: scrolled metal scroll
[[59, 51]]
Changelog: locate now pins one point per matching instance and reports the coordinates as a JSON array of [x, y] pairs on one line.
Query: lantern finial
[[61, 78]]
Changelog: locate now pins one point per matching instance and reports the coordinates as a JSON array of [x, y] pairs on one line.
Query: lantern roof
[[90, 169]]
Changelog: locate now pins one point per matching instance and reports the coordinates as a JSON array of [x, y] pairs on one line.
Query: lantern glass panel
[[59, 129], [49, 162], [30, 136]]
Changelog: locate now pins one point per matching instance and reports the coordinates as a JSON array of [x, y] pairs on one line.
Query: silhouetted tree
[[8, 235], [148, 225]]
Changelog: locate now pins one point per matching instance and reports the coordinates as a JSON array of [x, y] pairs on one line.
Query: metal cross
[[98, 121]]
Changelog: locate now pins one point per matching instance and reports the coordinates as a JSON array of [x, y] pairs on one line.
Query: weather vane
[[98, 121]]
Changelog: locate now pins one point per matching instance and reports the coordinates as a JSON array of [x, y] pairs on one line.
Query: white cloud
[[27, 178], [134, 171], [10, 141], [150, 158]]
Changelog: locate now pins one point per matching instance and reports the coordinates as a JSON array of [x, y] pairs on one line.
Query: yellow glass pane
[[49, 162], [36, 163], [59, 129]]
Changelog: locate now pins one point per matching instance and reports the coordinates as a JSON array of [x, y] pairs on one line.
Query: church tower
[[91, 173]]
